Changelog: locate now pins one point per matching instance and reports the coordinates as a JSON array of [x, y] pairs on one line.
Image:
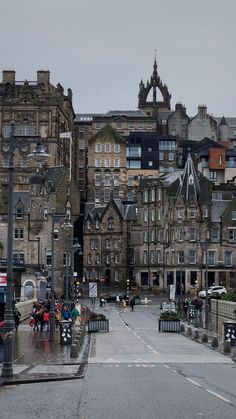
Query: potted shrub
[[98, 323], [169, 322]]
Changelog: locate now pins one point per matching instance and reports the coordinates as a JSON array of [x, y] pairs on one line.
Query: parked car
[[111, 298], [216, 291]]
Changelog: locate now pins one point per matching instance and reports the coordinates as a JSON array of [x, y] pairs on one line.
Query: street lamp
[[8, 147], [66, 226]]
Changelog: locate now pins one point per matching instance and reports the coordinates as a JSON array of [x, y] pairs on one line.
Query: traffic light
[[76, 288]]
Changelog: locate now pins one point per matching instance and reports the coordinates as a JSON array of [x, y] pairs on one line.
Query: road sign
[[93, 289]]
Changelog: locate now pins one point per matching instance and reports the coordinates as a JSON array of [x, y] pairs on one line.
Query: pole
[[67, 271], [52, 305], [181, 279], [7, 370], [206, 281]]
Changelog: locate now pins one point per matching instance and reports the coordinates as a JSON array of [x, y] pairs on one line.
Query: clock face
[[24, 147]]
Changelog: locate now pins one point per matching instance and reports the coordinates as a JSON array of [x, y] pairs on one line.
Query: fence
[[221, 311]]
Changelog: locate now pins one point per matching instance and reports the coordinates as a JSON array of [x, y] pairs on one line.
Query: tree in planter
[[169, 316]]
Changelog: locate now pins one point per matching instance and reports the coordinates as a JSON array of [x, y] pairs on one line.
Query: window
[[108, 244], [220, 160], [116, 148], [45, 213], [233, 215], [192, 234], [19, 233], [117, 163], [232, 235], [149, 149], [97, 125], [98, 148], [153, 214], [192, 213], [97, 194], [145, 235], [161, 156], [107, 194], [216, 196], [116, 180], [97, 224], [214, 234], [49, 258], [55, 235], [81, 163], [107, 162], [97, 178], [115, 243], [152, 234], [110, 223], [108, 259], [228, 259], [66, 259], [19, 213], [145, 257], [97, 162], [81, 144], [213, 175], [211, 258], [181, 257], [134, 164], [107, 180], [181, 234], [145, 215], [89, 260], [117, 258], [158, 256], [180, 213], [116, 275], [192, 256], [98, 259], [171, 156], [89, 225], [145, 196], [134, 152], [150, 163], [107, 148], [205, 212], [93, 244], [152, 258]]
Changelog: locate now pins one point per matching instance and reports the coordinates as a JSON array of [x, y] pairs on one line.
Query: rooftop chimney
[[8, 76], [43, 77]]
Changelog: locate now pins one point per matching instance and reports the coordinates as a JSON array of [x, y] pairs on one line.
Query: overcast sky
[[102, 48]]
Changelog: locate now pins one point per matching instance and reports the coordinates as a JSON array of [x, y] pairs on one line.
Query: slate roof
[[54, 175], [217, 209], [24, 197]]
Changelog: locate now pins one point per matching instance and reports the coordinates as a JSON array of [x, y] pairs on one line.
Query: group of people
[[40, 316], [195, 302]]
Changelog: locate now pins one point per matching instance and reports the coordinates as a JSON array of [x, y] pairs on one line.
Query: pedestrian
[[185, 307], [17, 316], [57, 317], [46, 320], [74, 314], [132, 303], [117, 300], [65, 313]]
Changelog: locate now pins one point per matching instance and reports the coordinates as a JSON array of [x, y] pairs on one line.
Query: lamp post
[[39, 155], [66, 225], [206, 285]]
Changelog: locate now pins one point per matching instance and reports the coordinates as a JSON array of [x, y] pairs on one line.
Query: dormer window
[[19, 213], [190, 180], [89, 225], [110, 223], [97, 224]]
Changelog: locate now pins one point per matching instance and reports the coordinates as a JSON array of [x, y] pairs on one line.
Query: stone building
[[106, 242], [202, 125], [106, 171]]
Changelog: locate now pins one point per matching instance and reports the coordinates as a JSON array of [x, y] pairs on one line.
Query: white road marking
[[149, 346], [217, 395], [166, 366], [193, 382]]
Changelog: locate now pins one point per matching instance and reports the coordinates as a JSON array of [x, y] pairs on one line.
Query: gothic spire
[[189, 186]]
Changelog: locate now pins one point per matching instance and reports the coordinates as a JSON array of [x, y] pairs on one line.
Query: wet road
[[135, 372]]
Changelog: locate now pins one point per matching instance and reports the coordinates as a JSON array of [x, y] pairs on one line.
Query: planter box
[[98, 326], [169, 326]]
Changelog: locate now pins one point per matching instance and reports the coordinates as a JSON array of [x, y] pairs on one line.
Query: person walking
[[117, 300], [65, 313], [46, 318], [132, 303], [17, 316]]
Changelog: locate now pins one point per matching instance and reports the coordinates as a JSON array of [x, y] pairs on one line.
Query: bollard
[[145, 300], [73, 351], [227, 347], [214, 342], [182, 328], [196, 334], [77, 343], [204, 338], [189, 331]]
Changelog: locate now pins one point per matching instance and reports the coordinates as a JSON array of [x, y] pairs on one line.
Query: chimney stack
[[8, 76]]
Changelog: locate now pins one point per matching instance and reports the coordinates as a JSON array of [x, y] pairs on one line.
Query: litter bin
[[230, 332], [65, 332]]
